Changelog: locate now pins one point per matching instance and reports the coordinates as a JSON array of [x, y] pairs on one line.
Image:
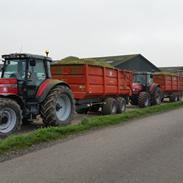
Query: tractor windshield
[[14, 69], [140, 78]]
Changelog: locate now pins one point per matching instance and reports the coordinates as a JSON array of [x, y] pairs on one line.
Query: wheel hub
[[58, 107], [63, 107], [7, 120]]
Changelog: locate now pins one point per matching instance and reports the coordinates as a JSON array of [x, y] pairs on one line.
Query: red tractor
[[27, 90], [144, 91]]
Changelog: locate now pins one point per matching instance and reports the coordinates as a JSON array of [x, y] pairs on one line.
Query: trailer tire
[[144, 99], [10, 117], [156, 97], [121, 105], [173, 98], [110, 106], [58, 107], [178, 97]]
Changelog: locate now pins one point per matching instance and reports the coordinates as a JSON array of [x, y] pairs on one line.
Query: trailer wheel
[[178, 97], [110, 106], [10, 117], [156, 98], [144, 99], [58, 107], [121, 105], [173, 98]]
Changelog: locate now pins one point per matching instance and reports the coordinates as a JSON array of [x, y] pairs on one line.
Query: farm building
[[176, 70], [136, 62]]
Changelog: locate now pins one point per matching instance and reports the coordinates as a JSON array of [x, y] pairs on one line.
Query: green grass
[[16, 142]]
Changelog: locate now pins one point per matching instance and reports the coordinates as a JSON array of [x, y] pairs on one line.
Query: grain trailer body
[[96, 87], [171, 85]]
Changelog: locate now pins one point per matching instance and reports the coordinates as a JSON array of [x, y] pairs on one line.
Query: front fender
[[46, 86]]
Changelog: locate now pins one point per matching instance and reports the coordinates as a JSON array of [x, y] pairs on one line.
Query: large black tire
[[144, 99], [173, 98], [121, 105], [10, 117], [110, 106], [58, 107], [156, 97]]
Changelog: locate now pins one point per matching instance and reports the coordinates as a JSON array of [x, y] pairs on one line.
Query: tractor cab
[[144, 91], [142, 81], [145, 78], [26, 72]]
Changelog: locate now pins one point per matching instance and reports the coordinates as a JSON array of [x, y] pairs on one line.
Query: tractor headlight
[[4, 89]]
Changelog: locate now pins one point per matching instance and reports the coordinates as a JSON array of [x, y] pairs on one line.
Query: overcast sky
[[90, 28]]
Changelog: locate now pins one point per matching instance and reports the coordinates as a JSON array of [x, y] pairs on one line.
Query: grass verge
[[16, 142]]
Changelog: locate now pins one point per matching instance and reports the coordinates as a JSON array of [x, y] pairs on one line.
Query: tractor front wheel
[[144, 99], [10, 117], [58, 107]]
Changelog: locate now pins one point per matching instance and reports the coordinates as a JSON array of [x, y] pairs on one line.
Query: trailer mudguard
[[46, 86]]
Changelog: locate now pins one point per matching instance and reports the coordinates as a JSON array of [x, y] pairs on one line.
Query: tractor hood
[[136, 88], [8, 86]]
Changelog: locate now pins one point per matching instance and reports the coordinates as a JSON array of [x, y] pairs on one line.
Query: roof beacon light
[[47, 52]]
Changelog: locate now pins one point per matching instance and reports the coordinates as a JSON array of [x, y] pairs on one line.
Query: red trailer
[[171, 85], [96, 86]]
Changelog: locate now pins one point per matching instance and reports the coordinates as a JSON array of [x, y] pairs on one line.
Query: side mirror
[[32, 62]]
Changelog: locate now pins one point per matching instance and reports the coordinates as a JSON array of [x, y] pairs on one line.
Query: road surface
[[148, 150]]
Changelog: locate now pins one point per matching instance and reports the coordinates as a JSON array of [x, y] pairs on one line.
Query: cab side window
[[38, 73]]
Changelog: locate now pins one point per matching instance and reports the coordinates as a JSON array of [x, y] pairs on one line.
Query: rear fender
[[46, 86]]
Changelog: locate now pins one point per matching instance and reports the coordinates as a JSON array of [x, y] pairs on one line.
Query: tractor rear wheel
[[144, 99], [121, 102], [110, 106], [58, 107], [156, 98], [10, 117]]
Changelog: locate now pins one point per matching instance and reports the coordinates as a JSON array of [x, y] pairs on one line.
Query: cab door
[[35, 76]]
